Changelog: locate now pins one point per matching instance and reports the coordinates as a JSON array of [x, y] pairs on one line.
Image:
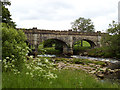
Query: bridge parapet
[[58, 32]]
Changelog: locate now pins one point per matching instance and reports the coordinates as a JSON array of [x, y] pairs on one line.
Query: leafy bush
[[112, 40], [97, 52], [14, 48]]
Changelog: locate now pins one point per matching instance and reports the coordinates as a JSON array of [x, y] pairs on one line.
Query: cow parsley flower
[[7, 57], [27, 73]]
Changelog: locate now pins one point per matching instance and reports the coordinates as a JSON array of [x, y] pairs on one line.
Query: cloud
[[58, 14], [40, 10]]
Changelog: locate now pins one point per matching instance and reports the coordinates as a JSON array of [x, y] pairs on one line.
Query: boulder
[[93, 72], [103, 69], [100, 75]]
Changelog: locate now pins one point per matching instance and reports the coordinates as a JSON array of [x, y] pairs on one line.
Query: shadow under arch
[[61, 41], [92, 44], [59, 44], [81, 46]]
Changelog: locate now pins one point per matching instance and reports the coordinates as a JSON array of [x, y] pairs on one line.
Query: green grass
[[87, 61], [85, 44], [66, 79], [79, 61]]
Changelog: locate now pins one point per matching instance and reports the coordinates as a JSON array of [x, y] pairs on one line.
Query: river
[[85, 57]]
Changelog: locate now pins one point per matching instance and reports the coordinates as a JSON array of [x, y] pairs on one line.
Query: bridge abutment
[[70, 51], [67, 50]]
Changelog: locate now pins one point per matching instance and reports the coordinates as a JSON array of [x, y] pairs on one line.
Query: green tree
[[114, 28], [6, 16], [112, 40], [83, 25]]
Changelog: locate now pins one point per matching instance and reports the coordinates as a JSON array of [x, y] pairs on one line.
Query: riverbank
[[71, 73], [102, 68]]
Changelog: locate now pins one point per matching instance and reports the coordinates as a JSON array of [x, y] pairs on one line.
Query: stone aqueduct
[[67, 38]]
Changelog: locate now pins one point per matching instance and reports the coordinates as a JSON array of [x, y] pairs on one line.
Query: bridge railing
[[59, 32]]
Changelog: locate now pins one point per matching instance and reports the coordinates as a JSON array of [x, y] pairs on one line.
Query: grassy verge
[[66, 79]]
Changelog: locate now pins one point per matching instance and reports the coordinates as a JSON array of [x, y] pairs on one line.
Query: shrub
[[14, 48]]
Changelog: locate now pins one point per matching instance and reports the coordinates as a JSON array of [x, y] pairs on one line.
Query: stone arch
[[92, 43], [65, 45], [61, 39]]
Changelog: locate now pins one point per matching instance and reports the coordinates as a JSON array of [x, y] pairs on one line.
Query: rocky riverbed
[[106, 70]]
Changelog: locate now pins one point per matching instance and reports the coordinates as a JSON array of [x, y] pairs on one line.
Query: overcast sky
[[58, 14]]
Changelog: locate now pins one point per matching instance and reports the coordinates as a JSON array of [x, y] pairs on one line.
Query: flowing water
[[96, 58], [85, 57], [46, 55]]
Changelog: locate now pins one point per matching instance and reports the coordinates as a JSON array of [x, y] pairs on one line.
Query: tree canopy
[[83, 25], [6, 16]]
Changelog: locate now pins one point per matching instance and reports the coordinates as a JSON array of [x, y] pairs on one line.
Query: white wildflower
[[31, 56], [39, 63], [27, 73], [6, 66], [7, 57], [46, 60], [28, 67], [12, 55], [37, 68]]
